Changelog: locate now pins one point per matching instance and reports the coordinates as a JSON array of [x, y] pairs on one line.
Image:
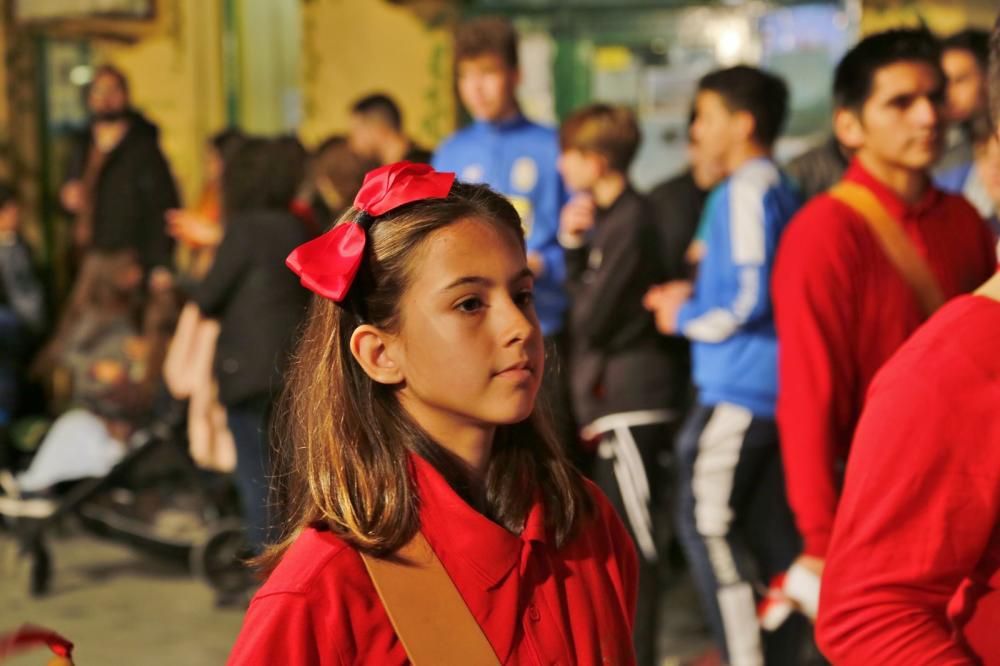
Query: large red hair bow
[[327, 265]]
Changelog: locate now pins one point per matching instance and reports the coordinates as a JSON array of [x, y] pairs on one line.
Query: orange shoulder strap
[[896, 245], [426, 610]]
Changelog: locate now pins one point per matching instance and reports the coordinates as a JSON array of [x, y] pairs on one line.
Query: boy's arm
[[816, 323], [715, 316]]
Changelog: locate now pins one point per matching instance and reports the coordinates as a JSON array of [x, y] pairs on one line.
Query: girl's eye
[[525, 298], [470, 305]]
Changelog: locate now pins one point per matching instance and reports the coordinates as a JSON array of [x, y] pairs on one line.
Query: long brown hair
[[343, 439]]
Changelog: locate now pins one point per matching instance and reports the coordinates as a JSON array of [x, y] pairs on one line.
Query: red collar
[[453, 526], [896, 207]]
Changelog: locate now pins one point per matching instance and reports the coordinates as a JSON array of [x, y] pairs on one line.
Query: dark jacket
[[818, 169], [619, 362], [133, 191], [677, 205], [258, 301]]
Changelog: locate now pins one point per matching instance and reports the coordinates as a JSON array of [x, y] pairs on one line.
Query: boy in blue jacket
[[517, 158], [511, 154], [734, 520]]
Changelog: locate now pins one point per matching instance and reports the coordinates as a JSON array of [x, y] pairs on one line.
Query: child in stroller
[[115, 457]]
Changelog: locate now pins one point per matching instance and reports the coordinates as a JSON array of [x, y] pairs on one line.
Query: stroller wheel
[[218, 559]]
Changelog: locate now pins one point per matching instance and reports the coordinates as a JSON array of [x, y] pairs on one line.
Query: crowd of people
[[737, 359]]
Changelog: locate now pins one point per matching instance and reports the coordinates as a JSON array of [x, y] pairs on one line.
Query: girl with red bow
[[432, 517]]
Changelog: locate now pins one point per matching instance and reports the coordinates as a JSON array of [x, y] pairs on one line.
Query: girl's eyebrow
[[485, 281]]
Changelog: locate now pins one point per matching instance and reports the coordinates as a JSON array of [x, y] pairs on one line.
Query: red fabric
[[327, 265], [913, 573], [841, 310], [536, 604], [393, 185], [29, 636]]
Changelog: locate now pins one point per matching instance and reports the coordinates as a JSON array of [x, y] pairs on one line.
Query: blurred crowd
[[710, 343]]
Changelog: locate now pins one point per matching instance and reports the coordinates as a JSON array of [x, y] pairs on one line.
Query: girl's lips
[[518, 371]]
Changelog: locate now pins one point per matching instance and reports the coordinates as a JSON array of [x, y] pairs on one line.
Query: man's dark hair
[[973, 40], [993, 86], [380, 107], [263, 174], [225, 141], [761, 94], [855, 75], [7, 194], [115, 73], [487, 35]]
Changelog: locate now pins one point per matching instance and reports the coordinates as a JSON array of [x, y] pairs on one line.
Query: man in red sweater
[[914, 567], [842, 306]]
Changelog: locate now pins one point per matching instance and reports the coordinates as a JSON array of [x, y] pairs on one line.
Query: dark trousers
[[632, 468], [248, 423], [736, 527]]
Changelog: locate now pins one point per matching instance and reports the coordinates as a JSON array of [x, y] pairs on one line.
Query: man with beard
[[119, 185]]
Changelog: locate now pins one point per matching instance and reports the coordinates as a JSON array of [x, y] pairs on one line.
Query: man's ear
[[370, 348], [848, 129], [745, 124]]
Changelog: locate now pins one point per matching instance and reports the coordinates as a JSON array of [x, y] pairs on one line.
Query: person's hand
[[536, 262], [577, 217], [160, 280], [812, 564], [193, 229], [71, 196], [665, 302]]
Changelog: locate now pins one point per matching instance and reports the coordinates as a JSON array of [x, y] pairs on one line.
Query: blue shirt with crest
[[517, 158]]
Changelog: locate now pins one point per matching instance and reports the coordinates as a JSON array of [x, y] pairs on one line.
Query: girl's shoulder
[[317, 607], [604, 523], [315, 562]]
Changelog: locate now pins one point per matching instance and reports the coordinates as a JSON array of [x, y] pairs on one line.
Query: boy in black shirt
[[620, 368]]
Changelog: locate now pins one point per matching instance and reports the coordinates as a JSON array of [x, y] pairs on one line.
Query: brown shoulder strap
[[427, 612], [898, 247]]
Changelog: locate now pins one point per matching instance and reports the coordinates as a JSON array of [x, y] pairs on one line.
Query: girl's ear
[[370, 349]]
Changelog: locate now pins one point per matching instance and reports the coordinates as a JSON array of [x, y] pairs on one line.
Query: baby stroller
[[154, 499]]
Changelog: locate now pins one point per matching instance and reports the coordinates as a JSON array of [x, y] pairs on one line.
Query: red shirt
[[913, 573], [535, 603], [841, 310]]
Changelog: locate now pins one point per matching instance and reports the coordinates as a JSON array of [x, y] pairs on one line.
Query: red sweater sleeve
[[920, 502], [815, 319], [277, 629]]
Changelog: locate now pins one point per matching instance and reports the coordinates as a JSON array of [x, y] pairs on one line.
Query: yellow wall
[[4, 102], [351, 48], [941, 16], [268, 54], [176, 80]]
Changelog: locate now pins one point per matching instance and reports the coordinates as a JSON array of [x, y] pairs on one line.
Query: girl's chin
[[514, 415]]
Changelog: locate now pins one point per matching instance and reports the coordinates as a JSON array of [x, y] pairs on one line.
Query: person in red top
[[410, 412], [913, 574], [841, 307]]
